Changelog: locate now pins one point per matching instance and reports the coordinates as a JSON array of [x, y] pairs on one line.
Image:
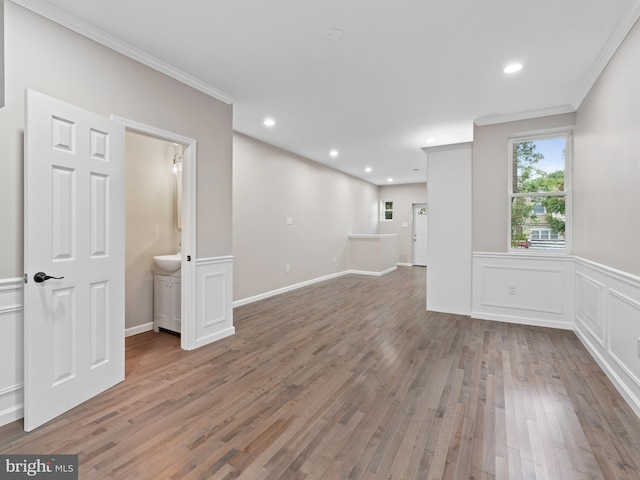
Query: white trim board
[[306, 283], [288, 288], [138, 329], [373, 274], [513, 117], [609, 50]]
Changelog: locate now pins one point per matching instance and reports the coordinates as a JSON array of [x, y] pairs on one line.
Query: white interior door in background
[[420, 234], [74, 228]]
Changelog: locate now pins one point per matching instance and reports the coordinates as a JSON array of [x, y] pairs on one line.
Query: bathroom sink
[[170, 263]]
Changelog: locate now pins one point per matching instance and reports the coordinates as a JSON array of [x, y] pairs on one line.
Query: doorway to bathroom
[[160, 211]]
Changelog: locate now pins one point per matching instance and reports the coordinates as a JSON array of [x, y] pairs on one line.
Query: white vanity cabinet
[[167, 302]]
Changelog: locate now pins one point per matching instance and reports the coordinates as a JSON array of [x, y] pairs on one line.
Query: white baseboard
[[289, 288], [404, 264], [145, 327], [375, 274], [621, 385], [534, 322], [219, 335]]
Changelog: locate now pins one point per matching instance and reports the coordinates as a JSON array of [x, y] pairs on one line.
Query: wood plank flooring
[[352, 379]]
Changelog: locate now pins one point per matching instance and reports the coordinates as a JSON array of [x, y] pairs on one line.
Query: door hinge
[[26, 278]]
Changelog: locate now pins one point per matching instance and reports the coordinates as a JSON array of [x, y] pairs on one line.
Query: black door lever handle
[[43, 277]]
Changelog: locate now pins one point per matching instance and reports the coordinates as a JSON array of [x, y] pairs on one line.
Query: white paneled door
[[74, 230], [420, 234]]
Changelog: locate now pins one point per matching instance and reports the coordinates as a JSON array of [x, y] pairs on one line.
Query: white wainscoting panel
[[11, 350], [608, 324], [528, 289], [624, 333], [214, 319], [590, 306]]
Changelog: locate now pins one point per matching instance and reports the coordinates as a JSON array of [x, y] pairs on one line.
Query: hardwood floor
[[352, 379]]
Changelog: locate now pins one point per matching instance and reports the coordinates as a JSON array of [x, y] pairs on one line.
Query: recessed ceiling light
[[430, 140], [513, 68], [333, 153], [335, 34], [389, 179], [367, 169], [269, 122]]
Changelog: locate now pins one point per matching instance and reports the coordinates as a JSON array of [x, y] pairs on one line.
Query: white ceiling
[[405, 70]]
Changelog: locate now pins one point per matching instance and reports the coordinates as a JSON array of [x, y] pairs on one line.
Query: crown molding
[[513, 117], [609, 50], [83, 28], [447, 147]]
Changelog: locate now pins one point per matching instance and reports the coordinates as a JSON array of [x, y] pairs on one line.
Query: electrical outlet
[[334, 259], [511, 290], [288, 268]]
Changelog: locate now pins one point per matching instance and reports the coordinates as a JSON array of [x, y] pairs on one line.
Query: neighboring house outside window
[[544, 234], [539, 197], [539, 209]]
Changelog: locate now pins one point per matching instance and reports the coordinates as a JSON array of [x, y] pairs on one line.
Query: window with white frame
[[539, 198], [544, 234], [539, 209], [386, 211]]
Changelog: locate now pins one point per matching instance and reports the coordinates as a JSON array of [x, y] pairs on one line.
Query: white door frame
[[188, 312]]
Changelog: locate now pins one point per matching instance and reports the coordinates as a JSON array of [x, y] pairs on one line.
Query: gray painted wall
[[49, 58], [151, 224], [607, 164], [269, 185]]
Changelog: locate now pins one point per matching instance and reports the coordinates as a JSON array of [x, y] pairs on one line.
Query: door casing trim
[[189, 165]]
